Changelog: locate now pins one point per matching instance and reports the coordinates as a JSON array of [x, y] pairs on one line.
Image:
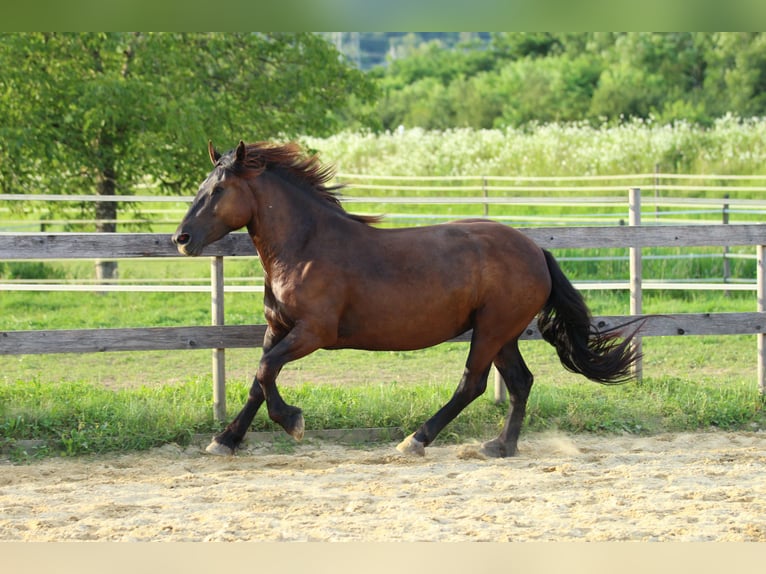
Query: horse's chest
[[278, 303]]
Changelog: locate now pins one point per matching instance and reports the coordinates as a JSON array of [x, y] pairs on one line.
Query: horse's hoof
[[219, 449], [496, 449], [298, 428], [411, 446]]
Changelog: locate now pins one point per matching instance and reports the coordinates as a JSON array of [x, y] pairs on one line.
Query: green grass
[[81, 417], [126, 401], [689, 384], [96, 403]]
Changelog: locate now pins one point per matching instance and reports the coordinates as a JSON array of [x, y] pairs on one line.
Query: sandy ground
[[675, 487]]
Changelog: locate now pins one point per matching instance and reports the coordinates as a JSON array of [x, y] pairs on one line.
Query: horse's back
[[513, 264]]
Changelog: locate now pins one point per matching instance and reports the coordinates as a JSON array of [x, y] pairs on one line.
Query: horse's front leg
[[278, 351], [227, 441], [298, 343]]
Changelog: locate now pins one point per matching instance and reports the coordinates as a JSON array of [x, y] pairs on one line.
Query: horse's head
[[223, 203]]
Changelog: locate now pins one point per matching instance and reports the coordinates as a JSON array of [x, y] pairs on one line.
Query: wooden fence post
[[726, 262], [761, 290], [636, 271], [501, 393], [219, 355]]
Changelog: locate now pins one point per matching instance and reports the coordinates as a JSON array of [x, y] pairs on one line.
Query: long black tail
[[565, 322]]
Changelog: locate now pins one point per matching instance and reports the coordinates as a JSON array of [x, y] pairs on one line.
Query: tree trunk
[[106, 222]]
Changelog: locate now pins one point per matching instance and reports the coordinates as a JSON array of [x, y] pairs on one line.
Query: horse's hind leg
[[472, 384], [518, 379]]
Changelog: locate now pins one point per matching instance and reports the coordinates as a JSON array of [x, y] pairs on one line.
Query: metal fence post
[[219, 355], [636, 271]]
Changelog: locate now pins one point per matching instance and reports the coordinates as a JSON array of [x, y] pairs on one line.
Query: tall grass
[[730, 146]]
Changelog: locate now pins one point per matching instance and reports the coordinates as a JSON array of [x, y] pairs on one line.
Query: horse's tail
[[565, 322]]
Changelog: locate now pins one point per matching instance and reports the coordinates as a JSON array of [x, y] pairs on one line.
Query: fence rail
[[248, 336], [486, 190], [21, 246]]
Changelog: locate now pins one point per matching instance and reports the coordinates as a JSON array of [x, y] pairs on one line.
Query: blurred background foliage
[[110, 113], [513, 79]]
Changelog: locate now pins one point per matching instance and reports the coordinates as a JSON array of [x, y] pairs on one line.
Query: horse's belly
[[394, 342], [389, 330]]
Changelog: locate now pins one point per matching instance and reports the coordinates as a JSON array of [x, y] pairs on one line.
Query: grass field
[[119, 401], [123, 401]]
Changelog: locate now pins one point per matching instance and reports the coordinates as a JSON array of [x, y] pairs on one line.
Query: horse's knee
[[472, 385]]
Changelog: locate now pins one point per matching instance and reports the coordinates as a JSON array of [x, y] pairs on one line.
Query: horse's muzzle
[[182, 242], [181, 239]]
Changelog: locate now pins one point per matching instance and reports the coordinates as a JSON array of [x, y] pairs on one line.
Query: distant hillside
[[369, 49]]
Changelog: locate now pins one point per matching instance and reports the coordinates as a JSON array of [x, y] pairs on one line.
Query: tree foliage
[[102, 112], [519, 79]]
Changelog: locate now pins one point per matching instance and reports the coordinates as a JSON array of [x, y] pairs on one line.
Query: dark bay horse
[[333, 280]]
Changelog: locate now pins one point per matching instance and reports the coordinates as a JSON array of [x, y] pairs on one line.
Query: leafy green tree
[[736, 82], [517, 45], [519, 78], [104, 112], [476, 102], [645, 74], [554, 89]]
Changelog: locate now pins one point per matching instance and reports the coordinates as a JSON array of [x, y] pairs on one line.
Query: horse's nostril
[[182, 239]]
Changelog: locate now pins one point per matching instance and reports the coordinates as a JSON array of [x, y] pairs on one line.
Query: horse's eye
[[216, 190]]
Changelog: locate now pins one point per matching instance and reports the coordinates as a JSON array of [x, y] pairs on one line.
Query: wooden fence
[[35, 246]]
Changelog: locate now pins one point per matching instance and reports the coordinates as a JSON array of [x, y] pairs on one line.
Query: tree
[[737, 79], [553, 89], [102, 112], [516, 45], [517, 78], [661, 75]]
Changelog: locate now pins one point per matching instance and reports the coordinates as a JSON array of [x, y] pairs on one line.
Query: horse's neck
[[287, 222]]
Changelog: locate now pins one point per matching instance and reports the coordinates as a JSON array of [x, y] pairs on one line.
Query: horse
[[335, 280]]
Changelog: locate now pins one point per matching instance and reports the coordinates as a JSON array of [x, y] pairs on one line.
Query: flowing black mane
[[290, 161]]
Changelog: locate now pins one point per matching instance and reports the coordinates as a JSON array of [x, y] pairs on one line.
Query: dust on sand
[[673, 487]]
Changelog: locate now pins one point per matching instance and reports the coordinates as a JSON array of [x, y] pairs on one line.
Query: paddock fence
[[218, 337], [520, 201]]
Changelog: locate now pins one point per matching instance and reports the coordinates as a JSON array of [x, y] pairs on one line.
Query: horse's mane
[[291, 161]]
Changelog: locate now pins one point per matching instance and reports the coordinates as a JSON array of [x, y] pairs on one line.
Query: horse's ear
[[214, 155], [241, 152]]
